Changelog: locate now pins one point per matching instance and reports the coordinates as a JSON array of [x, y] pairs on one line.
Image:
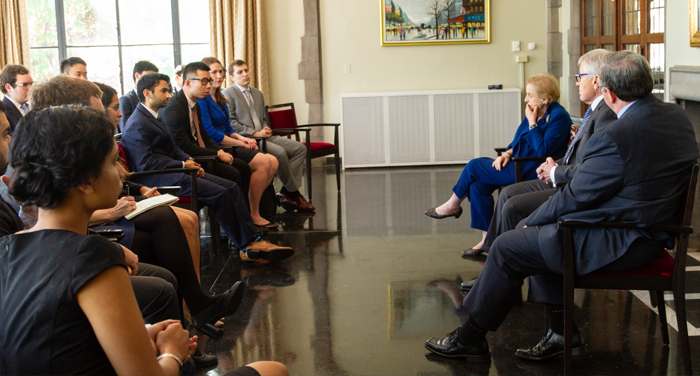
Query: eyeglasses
[[25, 84], [578, 76], [204, 81]]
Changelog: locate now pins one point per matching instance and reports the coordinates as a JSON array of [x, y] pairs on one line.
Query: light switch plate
[[516, 46]]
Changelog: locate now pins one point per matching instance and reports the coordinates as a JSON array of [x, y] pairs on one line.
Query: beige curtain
[[238, 32], [14, 35]]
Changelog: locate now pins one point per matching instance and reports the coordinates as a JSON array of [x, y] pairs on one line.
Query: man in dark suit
[[149, 146], [517, 201], [15, 83], [635, 171], [183, 118], [129, 101]]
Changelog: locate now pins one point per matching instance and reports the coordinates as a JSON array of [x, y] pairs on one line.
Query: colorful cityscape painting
[[421, 22]]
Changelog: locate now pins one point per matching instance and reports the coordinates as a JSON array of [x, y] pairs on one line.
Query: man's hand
[[191, 164], [150, 192], [224, 157], [501, 161], [200, 173], [132, 261], [544, 170], [125, 205]]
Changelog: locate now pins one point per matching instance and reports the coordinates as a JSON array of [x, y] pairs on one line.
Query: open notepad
[[150, 203]]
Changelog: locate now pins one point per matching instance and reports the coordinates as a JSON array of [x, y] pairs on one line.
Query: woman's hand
[[531, 113], [149, 192], [250, 143], [125, 205], [171, 338], [501, 161], [132, 260]]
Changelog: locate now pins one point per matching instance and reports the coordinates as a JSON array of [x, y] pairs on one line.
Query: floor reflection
[[372, 278]]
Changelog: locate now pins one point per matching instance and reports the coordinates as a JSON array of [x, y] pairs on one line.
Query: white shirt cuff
[[551, 176]]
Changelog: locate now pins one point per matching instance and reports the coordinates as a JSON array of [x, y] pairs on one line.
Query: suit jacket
[[12, 113], [634, 172], [148, 146], [597, 122], [239, 111], [127, 105], [176, 116]]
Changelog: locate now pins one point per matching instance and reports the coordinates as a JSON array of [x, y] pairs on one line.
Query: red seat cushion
[[662, 267], [317, 146], [184, 200]]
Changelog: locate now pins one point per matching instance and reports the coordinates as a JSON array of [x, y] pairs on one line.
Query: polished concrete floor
[[373, 278]]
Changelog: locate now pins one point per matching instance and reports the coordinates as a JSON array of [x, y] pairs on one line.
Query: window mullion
[[119, 47], [61, 31], [177, 50]]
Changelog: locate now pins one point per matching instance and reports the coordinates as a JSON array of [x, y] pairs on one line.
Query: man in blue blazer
[[148, 146], [129, 101], [635, 171], [15, 82]]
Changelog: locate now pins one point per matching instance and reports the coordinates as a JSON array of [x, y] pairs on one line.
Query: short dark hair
[[108, 93], [143, 66], [236, 63], [55, 150], [62, 90], [70, 62], [626, 74], [150, 81], [178, 70], [9, 74], [192, 68]]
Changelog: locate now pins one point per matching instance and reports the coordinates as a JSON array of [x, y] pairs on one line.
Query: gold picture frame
[[694, 10], [434, 22]]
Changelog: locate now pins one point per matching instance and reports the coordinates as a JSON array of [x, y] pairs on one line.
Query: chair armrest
[[284, 131], [500, 150], [167, 171], [171, 189], [319, 125], [205, 158], [574, 224], [529, 159]]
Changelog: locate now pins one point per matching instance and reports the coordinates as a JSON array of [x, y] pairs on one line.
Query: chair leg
[[661, 304], [337, 170], [215, 231], [308, 175], [679, 302], [652, 299], [568, 327]]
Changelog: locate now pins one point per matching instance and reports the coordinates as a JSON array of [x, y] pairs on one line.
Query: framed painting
[[429, 22], [694, 10]]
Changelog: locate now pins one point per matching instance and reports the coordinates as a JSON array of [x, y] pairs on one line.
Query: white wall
[[678, 50]]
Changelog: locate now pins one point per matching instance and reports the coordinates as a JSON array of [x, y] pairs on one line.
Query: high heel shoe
[[226, 305], [433, 214]]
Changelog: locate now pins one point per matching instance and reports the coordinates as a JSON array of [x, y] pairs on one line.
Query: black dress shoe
[[202, 360], [226, 305], [551, 345], [451, 346]]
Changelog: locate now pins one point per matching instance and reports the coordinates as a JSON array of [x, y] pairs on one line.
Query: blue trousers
[[478, 181], [228, 205]]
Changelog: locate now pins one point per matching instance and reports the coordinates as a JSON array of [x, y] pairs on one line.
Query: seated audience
[[149, 146], [544, 131], [215, 119], [246, 106], [74, 67], [518, 200], [15, 82], [129, 101], [635, 171], [177, 85]]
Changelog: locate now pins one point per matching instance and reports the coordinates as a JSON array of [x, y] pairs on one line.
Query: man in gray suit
[[635, 171], [246, 107]]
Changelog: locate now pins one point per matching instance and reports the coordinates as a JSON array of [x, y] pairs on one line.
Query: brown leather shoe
[[288, 201], [264, 252], [304, 205]]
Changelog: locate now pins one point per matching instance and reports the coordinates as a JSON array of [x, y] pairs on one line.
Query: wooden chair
[[664, 274], [283, 120]]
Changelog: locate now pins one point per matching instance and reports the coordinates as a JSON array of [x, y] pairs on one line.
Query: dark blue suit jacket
[[148, 146], [634, 172], [127, 105], [12, 113]]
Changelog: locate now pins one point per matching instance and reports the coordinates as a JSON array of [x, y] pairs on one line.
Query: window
[[635, 25], [112, 35]]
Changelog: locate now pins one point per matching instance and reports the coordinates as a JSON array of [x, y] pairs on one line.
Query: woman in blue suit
[[215, 119], [544, 131]]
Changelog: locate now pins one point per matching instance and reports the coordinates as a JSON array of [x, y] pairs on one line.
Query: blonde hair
[[546, 86]]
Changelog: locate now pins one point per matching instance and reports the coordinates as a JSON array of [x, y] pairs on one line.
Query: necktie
[[253, 113], [195, 124], [24, 108], [578, 135]]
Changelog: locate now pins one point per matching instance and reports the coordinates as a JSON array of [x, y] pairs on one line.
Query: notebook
[[150, 203]]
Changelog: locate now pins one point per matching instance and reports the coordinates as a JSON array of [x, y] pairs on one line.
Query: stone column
[[574, 39], [554, 39], [310, 66]]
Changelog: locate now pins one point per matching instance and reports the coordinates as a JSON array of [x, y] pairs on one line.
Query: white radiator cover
[[426, 127]]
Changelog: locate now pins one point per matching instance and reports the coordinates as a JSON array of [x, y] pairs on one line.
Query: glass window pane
[[609, 47], [45, 63], [657, 64], [656, 16], [591, 9], [146, 22], [194, 52], [41, 15], [90, 22], [589, 47], [636, 48], [194, 21], [102, 64], [161, 56], [631, 17], [608, 17]]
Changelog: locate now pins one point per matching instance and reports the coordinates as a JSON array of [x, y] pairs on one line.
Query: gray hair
[[626, 74], [592, 61]]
